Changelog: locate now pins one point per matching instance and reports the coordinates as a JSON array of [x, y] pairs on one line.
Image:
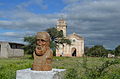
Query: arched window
[[74, 40]]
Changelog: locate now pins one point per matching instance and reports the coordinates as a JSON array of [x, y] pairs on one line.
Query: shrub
[[71, 74]]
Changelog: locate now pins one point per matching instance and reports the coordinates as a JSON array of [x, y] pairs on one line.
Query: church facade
[[77, 42]]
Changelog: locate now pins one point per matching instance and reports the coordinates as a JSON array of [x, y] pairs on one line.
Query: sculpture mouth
[[40, 50]]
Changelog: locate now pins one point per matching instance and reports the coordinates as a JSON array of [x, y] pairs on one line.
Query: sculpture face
[[43, 54], [42, 42], [41, 47]]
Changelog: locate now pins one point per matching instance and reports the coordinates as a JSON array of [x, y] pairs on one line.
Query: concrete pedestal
[[30, 74]]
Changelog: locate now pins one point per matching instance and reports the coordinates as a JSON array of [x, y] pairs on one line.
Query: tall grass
[[100, 71]]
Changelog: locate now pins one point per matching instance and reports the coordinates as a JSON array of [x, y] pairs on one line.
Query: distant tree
[[86, 49], [111, 51], [97, 51], [117, 50]]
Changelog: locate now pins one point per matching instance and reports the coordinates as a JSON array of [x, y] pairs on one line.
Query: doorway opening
[[73, 51]]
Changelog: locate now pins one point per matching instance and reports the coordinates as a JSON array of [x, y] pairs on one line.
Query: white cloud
[[10, 34], [3, 22]]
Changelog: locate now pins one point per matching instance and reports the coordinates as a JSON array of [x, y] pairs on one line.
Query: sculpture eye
[[43, 40]]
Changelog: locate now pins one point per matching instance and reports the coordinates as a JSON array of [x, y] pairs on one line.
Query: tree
[[54, 33], [111, 52], [97, 51], [86, 49], [117, 50], [30, 46], [57, 38]]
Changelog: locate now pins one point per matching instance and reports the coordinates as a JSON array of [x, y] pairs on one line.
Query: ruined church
[[77, 42]]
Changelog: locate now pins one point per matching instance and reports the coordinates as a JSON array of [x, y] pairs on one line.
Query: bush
[[99, 72], [97, 51], [71, 74], [117, 51]]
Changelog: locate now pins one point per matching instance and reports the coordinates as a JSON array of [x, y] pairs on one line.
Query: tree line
[[100, 51]]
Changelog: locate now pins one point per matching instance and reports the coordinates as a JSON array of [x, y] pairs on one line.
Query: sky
[[98, 21]]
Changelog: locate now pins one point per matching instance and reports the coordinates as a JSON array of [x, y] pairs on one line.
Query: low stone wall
[[15, 52]]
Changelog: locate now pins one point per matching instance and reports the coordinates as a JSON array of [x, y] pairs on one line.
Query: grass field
[[77, 68]]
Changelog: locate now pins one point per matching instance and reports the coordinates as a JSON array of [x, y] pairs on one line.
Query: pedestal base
[[31, 74]]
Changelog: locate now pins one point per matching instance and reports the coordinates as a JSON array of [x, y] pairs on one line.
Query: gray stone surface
[[30, 74]]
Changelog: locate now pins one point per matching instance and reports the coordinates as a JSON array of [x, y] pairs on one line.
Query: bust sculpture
[[42, 54]]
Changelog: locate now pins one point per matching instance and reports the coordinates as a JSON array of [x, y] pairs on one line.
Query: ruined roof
[[11, 42]]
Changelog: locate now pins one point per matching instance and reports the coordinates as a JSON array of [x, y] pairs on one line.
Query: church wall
[[59, 50], [67, 49], [83, 47]]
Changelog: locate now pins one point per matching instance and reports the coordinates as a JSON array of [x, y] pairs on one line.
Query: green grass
[[8, 67]]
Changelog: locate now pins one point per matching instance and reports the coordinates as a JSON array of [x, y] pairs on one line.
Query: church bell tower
[[62, 26]]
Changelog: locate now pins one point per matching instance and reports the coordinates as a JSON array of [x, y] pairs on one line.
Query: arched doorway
[[73, 51]]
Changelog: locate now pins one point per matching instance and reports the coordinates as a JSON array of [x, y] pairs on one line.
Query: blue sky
[[98, 21], [35, 6]]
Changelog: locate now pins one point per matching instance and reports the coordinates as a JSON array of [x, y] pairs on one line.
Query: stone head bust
[[43, 54], [42, 42]]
